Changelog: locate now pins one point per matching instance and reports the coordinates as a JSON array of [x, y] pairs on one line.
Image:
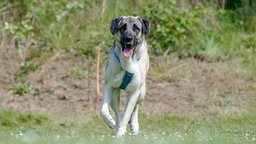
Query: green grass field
[[30, 129]]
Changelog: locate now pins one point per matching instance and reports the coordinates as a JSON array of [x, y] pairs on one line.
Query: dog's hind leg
[[134, 123], [108, 91], [131, 102]]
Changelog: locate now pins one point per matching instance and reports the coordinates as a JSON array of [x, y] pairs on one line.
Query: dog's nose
[[128, 38]]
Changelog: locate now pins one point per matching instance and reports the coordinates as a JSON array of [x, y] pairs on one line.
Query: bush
[[169, 24], [82, 26], [199, 31]]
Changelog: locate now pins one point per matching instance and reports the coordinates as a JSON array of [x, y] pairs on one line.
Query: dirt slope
[[175, 86]]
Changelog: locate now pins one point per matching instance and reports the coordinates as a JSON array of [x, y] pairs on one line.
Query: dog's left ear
[[145, 26], [113, 25]]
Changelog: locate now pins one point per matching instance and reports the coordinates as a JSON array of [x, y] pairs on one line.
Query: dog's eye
[[123, 28], [136, 28]]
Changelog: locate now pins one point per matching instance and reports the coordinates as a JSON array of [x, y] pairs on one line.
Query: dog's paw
[[120, 132], [134, 131], [109, 122]]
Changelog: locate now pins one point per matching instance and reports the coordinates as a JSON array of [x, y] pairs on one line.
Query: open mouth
[[128, 50]]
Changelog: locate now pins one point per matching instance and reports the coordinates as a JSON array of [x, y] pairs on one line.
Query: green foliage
[[19, 89], [26, 67], [169, 24], [2, 4], [22, 89], [200, 30], [65, 27], [195, 31]]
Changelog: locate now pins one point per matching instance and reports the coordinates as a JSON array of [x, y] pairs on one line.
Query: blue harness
[[127, 77]]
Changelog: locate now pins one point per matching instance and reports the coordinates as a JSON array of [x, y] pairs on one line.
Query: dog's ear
[[113, 25], [145, 26]]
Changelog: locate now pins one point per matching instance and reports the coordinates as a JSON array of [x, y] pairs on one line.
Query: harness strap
[[117, 57], [126, 80], [127, 77]]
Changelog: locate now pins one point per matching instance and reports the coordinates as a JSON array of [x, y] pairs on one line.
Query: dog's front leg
[[131, 102], [115, 100], [108, 92]]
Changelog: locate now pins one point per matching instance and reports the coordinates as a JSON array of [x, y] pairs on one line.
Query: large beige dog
[[126, 69]]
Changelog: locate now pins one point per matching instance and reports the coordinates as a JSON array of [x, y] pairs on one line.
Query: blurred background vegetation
[[218, 29], [208, 30]]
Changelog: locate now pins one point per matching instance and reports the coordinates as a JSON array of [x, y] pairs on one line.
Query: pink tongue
[[128, 51]]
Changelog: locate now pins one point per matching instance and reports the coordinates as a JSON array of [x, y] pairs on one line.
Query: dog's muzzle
[[128, 45]]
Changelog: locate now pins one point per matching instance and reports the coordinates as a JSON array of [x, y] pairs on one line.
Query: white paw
[[135, 132], [134, 127], [109, 122], [120, 132]]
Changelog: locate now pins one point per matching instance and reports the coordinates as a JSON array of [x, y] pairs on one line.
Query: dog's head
[[129, 31]]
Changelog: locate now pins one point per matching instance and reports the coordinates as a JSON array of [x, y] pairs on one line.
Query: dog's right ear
[[113, 25]]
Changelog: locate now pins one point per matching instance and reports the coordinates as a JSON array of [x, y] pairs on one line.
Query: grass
[[12, 118], [154, 129]]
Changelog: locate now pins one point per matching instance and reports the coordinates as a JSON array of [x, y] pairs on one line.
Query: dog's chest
[[127, 81]]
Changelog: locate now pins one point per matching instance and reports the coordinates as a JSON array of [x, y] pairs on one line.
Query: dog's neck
[[130, 64]]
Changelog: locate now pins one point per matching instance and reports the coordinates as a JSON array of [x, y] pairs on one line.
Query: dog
[[126, 69]]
